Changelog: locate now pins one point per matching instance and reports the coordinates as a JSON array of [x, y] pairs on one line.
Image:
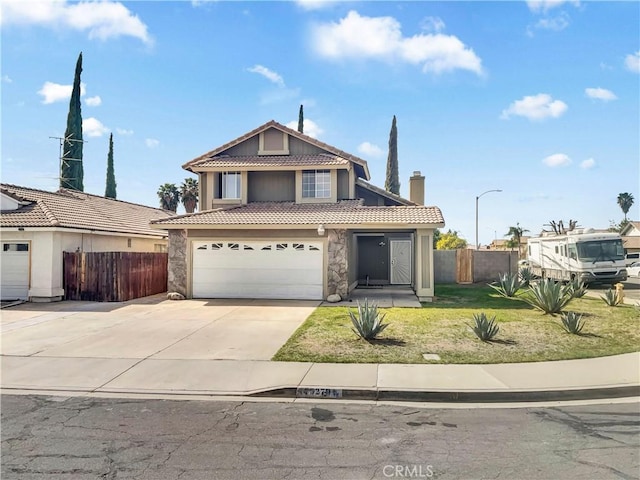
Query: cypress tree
[[301, 120], [110, 191], [71, 171], [392, 182]]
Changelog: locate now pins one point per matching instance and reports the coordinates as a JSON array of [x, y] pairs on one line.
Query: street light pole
[[478, 198]]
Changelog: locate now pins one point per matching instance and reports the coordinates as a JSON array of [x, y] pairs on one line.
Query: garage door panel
[[14, 274], [257, 269]]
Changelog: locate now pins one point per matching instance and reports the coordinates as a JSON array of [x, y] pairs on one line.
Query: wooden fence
[[113, 276]]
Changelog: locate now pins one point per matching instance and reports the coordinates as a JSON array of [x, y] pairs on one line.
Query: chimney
[[416, 188]]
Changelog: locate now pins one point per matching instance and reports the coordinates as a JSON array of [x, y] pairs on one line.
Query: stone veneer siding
[[337, 263], [177, 273]]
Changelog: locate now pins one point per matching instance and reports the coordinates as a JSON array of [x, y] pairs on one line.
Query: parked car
[[631, 258], [634, 270]]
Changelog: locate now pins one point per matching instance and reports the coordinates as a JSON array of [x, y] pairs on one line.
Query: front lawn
[[441, 327]]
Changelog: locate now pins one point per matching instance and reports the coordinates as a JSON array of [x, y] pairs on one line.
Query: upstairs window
[[230, 184], [316, 184]]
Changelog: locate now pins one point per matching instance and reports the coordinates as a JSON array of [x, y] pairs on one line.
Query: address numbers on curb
[[318, 392]]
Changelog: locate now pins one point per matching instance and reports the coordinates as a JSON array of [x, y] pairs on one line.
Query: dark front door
[[373, 260]]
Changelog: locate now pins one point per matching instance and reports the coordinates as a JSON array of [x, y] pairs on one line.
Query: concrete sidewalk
[[155, 347], [606, 377]]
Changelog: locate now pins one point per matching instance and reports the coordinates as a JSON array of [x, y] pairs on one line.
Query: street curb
[[460, 396]]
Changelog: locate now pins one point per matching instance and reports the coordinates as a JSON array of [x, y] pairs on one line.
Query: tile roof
[[385, 193], [253, 161], [273, 124], [346, 212], [73, 209]]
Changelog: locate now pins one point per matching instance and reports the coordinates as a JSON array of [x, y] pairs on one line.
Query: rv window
[[572, 252], [601, 251], [556, 249]]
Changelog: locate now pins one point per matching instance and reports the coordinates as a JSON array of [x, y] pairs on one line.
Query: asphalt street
[[105, 438]]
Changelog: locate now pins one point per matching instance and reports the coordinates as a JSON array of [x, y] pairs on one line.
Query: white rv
[[582, 253]]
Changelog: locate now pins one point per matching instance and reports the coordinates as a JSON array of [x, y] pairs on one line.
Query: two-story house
[[286, 216]]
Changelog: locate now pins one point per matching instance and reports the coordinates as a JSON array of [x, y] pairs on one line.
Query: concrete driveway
[[153, 328]]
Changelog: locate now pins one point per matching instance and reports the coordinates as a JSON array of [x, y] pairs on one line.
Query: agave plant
[[484, 328], [611, 297], [526, 276], [548, 296], [577, 287], [572, 322], [508, 285], [368, 321]]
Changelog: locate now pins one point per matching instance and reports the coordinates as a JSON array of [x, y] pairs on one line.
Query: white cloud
[[600, 94], [309, 127], [55, 92], [93, 101], [632, 62], [432, 24], [536, 107], [92, 127], [557, 160], [588, 163], [6, 79], [556, 24], [102, 20], [123, 131], [380, 38], [543, 6], [268, 74], [370, 150], [152, 142], [314, 4]]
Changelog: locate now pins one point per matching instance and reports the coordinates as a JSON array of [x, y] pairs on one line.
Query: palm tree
[[169, 196], [189, 194], [625, 200], [516, 234]]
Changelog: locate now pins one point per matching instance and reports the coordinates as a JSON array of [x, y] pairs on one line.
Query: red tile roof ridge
[[48, 213]]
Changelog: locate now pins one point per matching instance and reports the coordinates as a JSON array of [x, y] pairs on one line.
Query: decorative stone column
[[337, 263], [177, 269]]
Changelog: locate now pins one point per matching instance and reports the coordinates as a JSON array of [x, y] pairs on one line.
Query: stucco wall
[[444, 266], [488, 265]]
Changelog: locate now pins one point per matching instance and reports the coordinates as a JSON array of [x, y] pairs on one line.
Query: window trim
[[316, 184], [238, 185]]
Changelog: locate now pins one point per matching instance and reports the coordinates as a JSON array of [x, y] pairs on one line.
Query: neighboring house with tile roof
[[284, 215], [37, 226], [631, 237]]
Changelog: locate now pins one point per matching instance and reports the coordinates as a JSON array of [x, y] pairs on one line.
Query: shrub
[[577, 288], [526, 276], [572, 322], [484, 328], [548, 296], [368, 323], [508, 285], [611, 298]]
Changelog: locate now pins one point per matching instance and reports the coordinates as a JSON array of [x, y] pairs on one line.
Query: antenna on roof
[[63, 159]]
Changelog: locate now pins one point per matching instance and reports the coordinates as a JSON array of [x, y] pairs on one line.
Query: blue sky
[[538, 99]]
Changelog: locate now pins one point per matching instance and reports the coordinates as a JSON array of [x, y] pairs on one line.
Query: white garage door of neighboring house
[[252, 269], [14, 267]]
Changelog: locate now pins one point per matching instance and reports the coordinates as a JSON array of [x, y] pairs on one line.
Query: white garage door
[[285, 270], [14, 267]]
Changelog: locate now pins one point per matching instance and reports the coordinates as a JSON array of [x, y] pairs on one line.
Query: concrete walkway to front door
[[384, 296]]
